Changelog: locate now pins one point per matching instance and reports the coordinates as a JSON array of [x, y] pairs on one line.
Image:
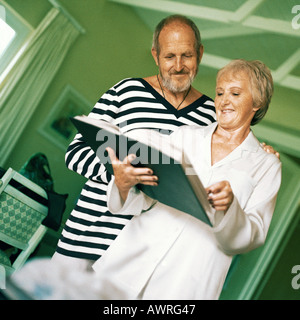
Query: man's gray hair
[[177, 18]]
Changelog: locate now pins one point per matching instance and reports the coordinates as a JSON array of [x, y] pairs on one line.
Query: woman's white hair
[[261, 82]]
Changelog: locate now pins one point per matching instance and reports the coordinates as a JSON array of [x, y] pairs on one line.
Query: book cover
[[176, 189]]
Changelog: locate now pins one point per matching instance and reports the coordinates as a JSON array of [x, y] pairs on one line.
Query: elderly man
[[163, 102]]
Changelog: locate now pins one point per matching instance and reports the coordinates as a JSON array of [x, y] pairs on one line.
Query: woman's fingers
[[220, 195]]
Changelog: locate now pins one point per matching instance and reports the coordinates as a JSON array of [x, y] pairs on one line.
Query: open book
[[177, 188]]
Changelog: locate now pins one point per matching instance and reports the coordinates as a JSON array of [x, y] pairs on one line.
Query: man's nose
[[178, 64]]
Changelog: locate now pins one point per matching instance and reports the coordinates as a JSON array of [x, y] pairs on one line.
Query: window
[[13, 32], [7, 35]]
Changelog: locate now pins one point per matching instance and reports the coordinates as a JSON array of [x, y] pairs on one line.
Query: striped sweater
[[130, 104]]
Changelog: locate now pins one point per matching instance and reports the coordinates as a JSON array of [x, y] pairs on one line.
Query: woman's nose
[[225, 99]]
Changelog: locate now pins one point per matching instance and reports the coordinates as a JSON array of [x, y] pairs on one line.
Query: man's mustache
[[178, 72]]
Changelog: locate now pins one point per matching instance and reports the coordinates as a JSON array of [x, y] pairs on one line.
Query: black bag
[[56, 208], [37, 169]]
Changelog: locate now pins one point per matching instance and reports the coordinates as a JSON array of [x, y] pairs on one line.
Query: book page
[[158, 141]]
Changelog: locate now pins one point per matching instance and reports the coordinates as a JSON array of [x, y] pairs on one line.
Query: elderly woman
[[164, 253]]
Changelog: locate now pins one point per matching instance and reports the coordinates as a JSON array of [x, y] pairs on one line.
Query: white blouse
[[163, 253]]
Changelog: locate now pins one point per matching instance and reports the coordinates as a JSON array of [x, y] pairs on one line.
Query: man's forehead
[[175, 33], [176, 26]]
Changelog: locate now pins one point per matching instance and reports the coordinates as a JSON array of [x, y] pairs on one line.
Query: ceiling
[[268, 30]]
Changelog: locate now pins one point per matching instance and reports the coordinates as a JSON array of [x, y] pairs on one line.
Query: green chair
[[23, 207]]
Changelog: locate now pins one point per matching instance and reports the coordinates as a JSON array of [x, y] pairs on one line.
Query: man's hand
[[270, 149], [127, 176], [220, 195]]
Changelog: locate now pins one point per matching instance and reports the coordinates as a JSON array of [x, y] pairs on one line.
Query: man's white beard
[[176, 88]]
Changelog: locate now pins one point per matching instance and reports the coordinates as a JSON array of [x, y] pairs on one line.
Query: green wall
[[105, 54]]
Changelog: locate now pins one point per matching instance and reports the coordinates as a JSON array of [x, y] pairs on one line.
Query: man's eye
[[219, 93]]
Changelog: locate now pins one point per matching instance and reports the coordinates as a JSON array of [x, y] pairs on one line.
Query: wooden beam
[[190, 10], [213, 61], [271, 25], [291, 81], [228, 32], [246, 9], [286, 67], [239, 22]]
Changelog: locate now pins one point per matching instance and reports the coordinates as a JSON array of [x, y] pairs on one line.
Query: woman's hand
[[127, 176], [220, 195]]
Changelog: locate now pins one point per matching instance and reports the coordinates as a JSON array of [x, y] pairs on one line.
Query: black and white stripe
[[130, 104]]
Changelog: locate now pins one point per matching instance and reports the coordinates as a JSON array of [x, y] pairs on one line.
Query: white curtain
[[24, 86]]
